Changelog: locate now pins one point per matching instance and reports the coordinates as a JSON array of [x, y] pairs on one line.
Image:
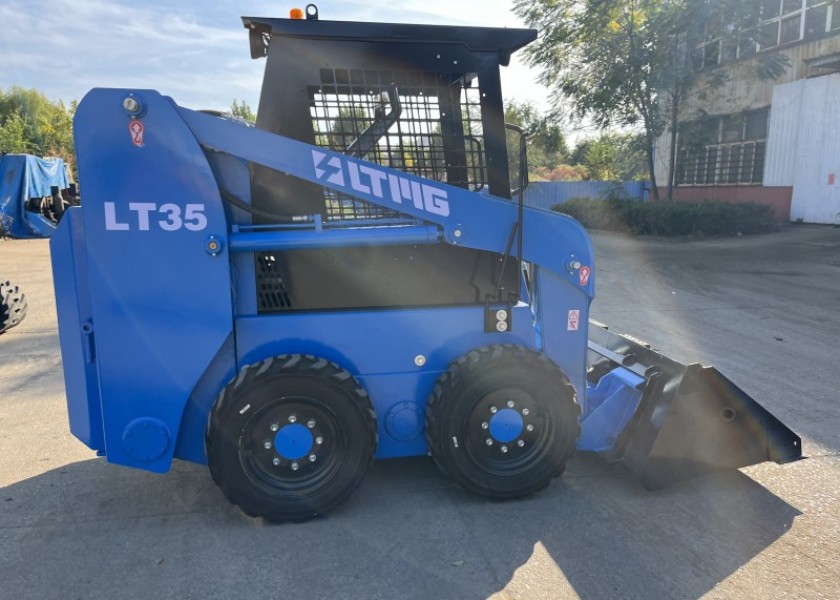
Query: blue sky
[[193, 50]]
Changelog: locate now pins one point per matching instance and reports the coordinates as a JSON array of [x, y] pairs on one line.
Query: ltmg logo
[[369, 180]]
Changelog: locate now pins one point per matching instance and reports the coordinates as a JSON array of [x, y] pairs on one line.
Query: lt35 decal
[[143, 216], [380, 184]]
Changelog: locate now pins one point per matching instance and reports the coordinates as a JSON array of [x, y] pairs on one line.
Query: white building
[[773, 142]]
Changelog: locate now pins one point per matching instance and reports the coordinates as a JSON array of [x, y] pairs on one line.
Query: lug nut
[[275, 426], [489, 442], [525, 412], [520, 443], [510, 404], [311, 423], [275, 461], [295, 466], [267, 444], [503, 449], [319, 440], [485, 425], [292, 419], [493, 409], [529, 427], [312, 458]]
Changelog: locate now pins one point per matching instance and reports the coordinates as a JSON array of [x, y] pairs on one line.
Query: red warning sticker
[[135, 127], [574, 320], [584, 275]]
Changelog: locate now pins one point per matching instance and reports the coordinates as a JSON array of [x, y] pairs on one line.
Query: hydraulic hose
[[242, 205]]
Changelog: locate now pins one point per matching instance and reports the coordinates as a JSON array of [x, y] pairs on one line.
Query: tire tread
[[269, 367], [13, 305], [469, 364]]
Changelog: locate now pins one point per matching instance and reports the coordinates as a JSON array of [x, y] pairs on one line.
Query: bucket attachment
[[690, 420]]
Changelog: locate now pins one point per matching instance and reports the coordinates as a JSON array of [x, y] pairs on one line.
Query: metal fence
[[545, 194]]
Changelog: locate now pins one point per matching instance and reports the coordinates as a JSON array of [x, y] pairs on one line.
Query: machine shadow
[[594, 533]]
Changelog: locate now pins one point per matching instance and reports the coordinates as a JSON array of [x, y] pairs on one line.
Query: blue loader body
[[203, 319]]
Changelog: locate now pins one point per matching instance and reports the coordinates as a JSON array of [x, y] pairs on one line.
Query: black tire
[[13, 305], [282, 400], [473, 399]]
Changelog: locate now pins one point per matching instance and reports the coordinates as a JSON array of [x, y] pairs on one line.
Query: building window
[[769, 36], [746, 43], [816, 20], [790, 30], [724, 150], [782, 22], [711, 54]]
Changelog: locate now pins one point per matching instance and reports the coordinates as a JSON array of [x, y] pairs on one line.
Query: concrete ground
[[765, 310]]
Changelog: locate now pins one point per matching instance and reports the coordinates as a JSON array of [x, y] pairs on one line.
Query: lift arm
[[465, 218]]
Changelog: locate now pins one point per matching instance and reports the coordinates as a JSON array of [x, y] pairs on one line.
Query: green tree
[[629, 62], [546, 143], [13, 134], [612, 157], [351, 121], [31, 123], [600, 160], [243, 111]]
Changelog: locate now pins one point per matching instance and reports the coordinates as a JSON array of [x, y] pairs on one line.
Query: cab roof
[[501, 40]]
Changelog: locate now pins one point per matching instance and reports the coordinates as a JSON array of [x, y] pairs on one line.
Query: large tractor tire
[[12, 305], [502, 422], [291, 437]]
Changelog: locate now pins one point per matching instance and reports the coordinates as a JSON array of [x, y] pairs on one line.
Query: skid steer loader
[[356, 277]]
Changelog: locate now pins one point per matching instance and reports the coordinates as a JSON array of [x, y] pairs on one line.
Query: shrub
[[559, 173], [670, 218]]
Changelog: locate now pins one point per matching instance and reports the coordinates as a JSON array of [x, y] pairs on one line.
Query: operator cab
[[424, 99]]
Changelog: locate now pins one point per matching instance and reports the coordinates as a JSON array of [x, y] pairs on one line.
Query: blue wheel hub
[[506, 425], [293, 442]]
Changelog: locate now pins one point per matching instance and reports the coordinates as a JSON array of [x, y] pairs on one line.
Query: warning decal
[[135, 127], [584, 275], [574, 320]]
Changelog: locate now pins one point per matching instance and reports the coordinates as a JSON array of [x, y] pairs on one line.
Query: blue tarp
[[23, 177]]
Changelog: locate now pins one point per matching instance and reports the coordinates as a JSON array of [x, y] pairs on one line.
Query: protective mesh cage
[[437, 135]]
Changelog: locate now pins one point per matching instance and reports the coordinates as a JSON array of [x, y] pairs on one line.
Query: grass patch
[[670, 218]]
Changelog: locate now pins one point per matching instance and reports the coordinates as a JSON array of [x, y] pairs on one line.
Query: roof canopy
[[499, 40]]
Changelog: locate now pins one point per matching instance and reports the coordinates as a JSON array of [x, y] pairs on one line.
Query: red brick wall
[[778, 198]]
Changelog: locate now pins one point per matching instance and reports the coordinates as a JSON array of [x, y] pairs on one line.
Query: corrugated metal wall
[[783, 134], [803, 147], [816, 182], [545, 194]]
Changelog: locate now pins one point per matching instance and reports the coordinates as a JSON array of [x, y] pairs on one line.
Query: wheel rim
[[507, 431], [292, 444]]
